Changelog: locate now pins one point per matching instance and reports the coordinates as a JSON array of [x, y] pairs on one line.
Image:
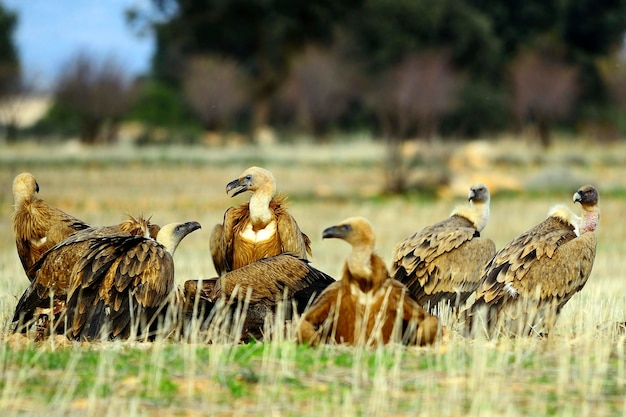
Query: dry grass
[[580, 370]]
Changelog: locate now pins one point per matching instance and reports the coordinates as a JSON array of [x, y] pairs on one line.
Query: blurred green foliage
[[161, 105], [481, 37], [366, 41]]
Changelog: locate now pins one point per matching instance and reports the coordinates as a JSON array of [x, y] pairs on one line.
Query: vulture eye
[[249, 177]]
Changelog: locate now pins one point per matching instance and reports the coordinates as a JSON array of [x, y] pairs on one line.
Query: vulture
[[367, 306], [258, 229], [527, 283], [50, 277], [37, 225], [264, 285], [444, 262], [105, 284]]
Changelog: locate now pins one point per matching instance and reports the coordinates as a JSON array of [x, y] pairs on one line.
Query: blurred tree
[[97, 92], [160, 105], [213, 89], [482, 38], [581, 31], [319, 89], [262, 36], [411, 98], [11, 85], [384, 32], [613, 71], [544, 91]]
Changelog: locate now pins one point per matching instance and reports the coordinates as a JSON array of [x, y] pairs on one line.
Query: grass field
[[579, 370]]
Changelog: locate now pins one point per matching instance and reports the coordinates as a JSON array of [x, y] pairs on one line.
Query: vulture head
[[253, 179], [477, 211], [358, 232], [171, 234], [587, 196], [479, 193], [24, 187]]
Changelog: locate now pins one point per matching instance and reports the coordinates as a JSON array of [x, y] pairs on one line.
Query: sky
[[50, 32]]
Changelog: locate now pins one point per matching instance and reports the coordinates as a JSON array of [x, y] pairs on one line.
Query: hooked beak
[[238, 185], [577, 197], [339, 232], [191, 226]]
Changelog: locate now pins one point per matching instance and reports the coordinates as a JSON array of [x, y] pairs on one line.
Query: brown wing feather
[[271, 278], [38, 227], [338, 316], [426, 326], [51, 274], [532, 277], [217, 245], [291, 237], [455, 275], [567, 271], [264, 284], [442, 260], [222, 243], [316, 324], [123, 277], [511, 264]]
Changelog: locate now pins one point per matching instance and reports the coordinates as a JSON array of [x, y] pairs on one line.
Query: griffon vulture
[[105, 283], [365, 307], [528, 281], [444, 261], [37, 225], [258, 229], [263, 285], [51, 279]]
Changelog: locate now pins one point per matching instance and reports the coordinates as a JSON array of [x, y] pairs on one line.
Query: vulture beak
[[36, 186], [339, 232], [240, 185], [471, 196], [185, 228], [578, 197]]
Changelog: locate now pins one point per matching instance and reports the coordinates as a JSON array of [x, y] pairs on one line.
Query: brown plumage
[[102, 280], [37, 225], [528, 281], [52, 271], [264, 284], [445, 261], [365, 307], [258, 229]]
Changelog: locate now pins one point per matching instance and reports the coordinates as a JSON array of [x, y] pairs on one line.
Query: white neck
[[166, 238], [260, 209], [477, 213], [260, 205], [359, 263]]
